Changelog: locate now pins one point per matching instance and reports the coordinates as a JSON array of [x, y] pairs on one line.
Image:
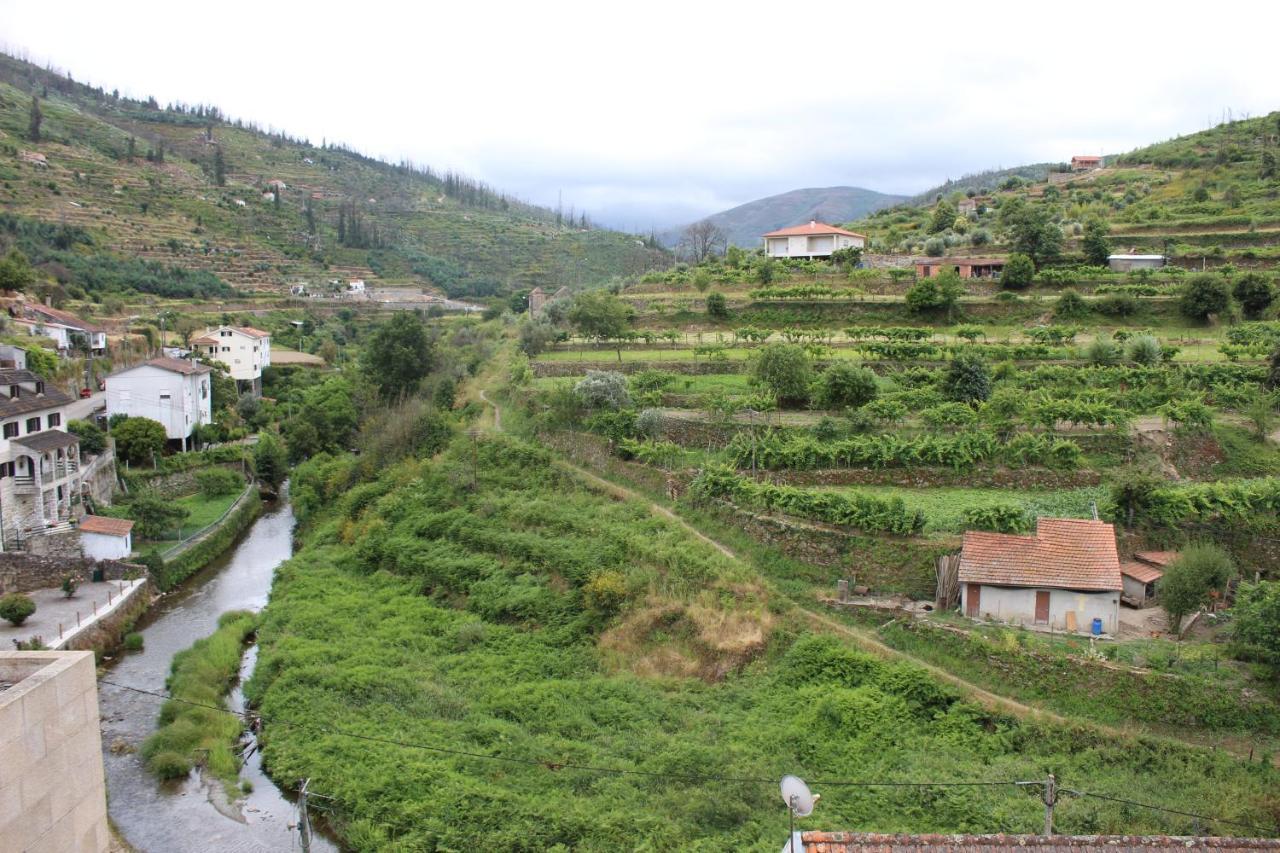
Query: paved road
[[81, 409]]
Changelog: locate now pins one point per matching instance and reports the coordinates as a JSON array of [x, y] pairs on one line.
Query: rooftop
[[968, 262], [813, 228], [104, 524], [1140, 572], [179, 365], [866, 842], [52, 439], [1156, 558], [1064, 553]]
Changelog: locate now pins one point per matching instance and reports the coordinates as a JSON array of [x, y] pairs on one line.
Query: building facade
[[964, 267], [1125, 263], [103, 538], [815, 240], [40, 475], [243, 349], [176, 392]]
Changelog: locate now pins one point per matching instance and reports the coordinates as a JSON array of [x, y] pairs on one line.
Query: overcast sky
[[653, 114]]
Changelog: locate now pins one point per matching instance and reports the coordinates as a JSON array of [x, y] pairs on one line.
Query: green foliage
[[600, 316], [786, 371], [1255, 626], [944, 217], [139, 440], [218, 482], [133, 642], [167, 574], [1103, 350], [1070, 306], [1018, 273], [1144, 350], [270, 460], [1031, 230], [717, 307], [154, 514], [1255, 293], [190, 726], [325, 419], [935, 294], [845, 386], [92, 439], [15, 608], [398, 355], [968, 379], [959, 451], [1001, 518], [1199, 570], [1204, 295], [16, 272], [1096, 245], [603, 389]]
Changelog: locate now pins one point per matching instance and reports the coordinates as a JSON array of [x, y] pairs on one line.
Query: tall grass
[[189, 733]]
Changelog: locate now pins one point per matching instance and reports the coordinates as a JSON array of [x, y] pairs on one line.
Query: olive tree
[[785, 370], [1190, 581]]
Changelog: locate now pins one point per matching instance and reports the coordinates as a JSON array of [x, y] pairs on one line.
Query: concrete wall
[[178, 401], [53, 796], [1017, 605], [105, 546]]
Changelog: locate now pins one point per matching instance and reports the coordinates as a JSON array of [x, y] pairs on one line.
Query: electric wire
[[694, 778]]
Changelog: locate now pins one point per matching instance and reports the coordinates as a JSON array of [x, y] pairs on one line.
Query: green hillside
[[143, 183], [1207, 199]]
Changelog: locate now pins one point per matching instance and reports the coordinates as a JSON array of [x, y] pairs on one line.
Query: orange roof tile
[[252, 332], [1140, 572], [1065, 553], [103, 524], [812, 229], [1156, 558]]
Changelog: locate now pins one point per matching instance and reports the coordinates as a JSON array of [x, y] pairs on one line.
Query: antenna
[[800, 802]]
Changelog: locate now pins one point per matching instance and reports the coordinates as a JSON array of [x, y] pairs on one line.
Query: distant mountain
[[745, 223]]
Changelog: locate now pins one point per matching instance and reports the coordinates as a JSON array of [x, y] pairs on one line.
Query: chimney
[[813, 223]]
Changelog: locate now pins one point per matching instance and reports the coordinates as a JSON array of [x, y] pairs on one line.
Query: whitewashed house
[[243, 349], [176, 392], [1063, 577], [65, 328], [1127, 262], [815, 240], [355, 289], [103, 538], [40, 475]]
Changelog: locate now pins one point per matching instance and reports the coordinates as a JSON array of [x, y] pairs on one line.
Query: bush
[[785, 370], [938, 292], [217, 482], [1144, 350], [1071, 306], [934, 247], [1117, 305], [717, 308], [1103, 350], [968, 379], [845, 386], [1255, 631], [133, 642], [1019, 272], [1204, 296], [1255, 293], [1000, 518], [603, 389], [1190, 581], [139, 440], [16, 607], [155, 515], [92, 439]]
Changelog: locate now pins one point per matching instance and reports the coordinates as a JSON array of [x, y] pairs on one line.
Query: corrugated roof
[[1065, 553], [1140, 572], [864, 842], [814, 229], [104, 524]]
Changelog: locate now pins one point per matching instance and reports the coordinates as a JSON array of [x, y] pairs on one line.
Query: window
[[204, 390], [11, 429], [226, 349], [33, 425], [39, 387], [55, 420], [15, 391], [224, 334]]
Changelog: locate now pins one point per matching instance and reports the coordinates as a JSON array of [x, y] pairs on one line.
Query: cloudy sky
[[653, 114]]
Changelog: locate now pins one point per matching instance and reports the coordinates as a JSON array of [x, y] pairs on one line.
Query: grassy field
[[945, 507]]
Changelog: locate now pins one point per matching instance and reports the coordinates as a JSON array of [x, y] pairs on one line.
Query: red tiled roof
[[1141, 572], [1156, 558], [205, 341], [252, 332], [66, 318], [103, 524], [812, 229], [866, 842], [1065, 553]]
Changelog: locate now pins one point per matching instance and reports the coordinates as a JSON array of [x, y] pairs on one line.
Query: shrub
[[934, 247], [1000, 518], [16, 607], [92, 439], [70, 583], [155, 515], [1071, 306], [785, 370], [1103, 350], [139, 440], [846, 386], [1117, 305], [717, 308], [968, 379], [603, 389], [1019, 272], [133, 642], [1255, 632], [1144, 350], [1255, 293], [217, 482], [938, 292], [1190, 581], [1203, 296]]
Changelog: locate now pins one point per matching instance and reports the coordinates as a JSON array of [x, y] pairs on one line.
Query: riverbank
[[189, 556]]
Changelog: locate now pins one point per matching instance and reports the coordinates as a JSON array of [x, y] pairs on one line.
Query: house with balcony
[[815, 240], [66, 329], [40, 475], [174, 391], [243, 349]]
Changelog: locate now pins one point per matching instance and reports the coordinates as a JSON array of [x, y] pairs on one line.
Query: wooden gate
[[1042, 606]]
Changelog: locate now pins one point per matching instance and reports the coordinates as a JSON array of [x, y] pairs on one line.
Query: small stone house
[[1063, 577], [103, 538], [1141, 574], [964, 267]]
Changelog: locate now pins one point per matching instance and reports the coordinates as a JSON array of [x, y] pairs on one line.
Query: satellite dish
[[795, 793]]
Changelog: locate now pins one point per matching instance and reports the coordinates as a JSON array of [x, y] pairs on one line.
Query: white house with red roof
[[815, 240], [65, 328], [174, 391], [103, 538], [1063, 577], [243, 349]]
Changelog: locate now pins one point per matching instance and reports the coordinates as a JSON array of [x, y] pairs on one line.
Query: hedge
[[190, 561]]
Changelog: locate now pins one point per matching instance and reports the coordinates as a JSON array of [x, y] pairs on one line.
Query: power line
[[737, 780]]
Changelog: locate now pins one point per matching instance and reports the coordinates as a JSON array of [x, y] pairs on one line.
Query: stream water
[[193, 814]]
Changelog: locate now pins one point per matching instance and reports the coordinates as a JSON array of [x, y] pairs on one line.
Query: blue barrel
[[1097, 627]]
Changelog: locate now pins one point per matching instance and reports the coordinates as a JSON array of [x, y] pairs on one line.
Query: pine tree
[[33, 129], [129, 152], [342, 225], [219, 168], [311, 218]]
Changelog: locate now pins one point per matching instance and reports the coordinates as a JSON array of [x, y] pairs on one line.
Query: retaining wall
[[21, 572]]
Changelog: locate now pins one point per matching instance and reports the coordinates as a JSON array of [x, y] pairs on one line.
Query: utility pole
[[304, 822], [1050, 799]]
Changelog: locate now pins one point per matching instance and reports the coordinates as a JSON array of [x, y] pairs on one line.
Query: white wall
[[244, 355], [104, 546], [1018, 605], [139, 392], [806, 245]]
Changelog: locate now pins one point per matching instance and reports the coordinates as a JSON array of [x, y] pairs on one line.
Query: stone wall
[[181, 483], [100, 478], [62, 544], [21, 572], [53, 795], [579, 368], [107, 634]]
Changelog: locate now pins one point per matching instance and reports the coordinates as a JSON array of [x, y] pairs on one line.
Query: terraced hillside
[[185, 187], [1206, 199]]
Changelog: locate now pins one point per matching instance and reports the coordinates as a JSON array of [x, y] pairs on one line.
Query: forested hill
[[184, 186], [745, 223]]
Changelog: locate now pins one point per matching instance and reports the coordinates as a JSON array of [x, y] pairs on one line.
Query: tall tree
[[1096, 244], [219, 168], [601, 316], [399, 354], [703, 239], [1031, 231], [37, 118]]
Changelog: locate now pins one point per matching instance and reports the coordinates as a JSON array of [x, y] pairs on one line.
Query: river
[[191, 815]]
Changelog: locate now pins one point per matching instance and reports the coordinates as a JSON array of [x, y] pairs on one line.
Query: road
[[82, 409]]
